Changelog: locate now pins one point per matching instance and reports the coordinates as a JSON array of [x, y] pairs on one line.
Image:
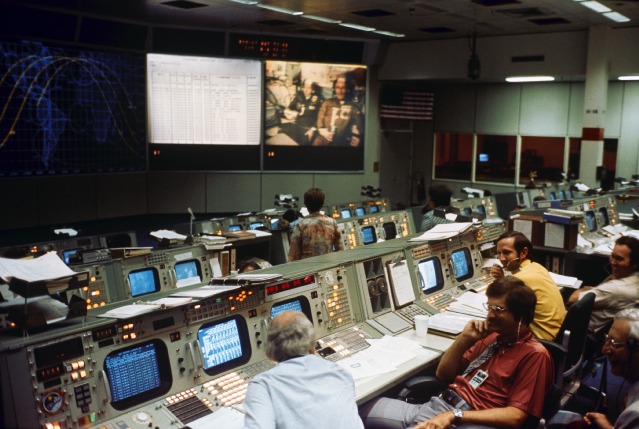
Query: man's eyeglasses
[[614, 344], [495, 308]]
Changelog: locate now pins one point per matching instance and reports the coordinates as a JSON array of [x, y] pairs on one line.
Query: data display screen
[[359, 211], [346, 213], [233, 228], [591, 222], [374, 209], [429, 272], [187, 269], [369, 236], [603, 217], [144, 281], [224, 344], [462, 264], [299, 303], [138, 373], [256, 225]]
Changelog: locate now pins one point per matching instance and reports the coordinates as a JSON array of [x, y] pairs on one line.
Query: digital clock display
[[289, 285]]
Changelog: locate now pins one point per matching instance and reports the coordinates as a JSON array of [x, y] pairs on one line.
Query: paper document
[[46, 267], [442, 231], [402, 286], [566, 281], [448, 322], [471, 304], [169, 235], [131, 310]]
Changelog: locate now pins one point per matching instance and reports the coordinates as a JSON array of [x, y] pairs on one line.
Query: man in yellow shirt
[[513, 250]]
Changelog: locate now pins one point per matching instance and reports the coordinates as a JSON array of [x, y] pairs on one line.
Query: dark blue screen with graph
[[69, 111]]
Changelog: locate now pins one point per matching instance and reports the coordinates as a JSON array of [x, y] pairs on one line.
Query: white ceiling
[[413, 18]]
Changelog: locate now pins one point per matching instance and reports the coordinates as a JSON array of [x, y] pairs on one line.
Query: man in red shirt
[[498, 372]]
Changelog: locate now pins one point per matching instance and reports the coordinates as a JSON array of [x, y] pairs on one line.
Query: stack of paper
[[442, 231], [566, 281], [448, 323], [471, 304]]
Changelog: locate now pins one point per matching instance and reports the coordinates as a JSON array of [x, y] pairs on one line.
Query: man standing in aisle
[[513, 249], [315, 234]]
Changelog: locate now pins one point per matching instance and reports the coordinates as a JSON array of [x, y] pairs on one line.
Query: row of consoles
[[183, 364]]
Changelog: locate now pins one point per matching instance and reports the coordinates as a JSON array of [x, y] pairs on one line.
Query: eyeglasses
[[495, 308], [614, 344]]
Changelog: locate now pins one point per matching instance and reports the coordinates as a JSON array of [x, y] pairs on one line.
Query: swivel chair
[[420, 389]]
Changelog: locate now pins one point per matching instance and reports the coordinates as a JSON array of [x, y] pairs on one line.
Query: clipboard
[[401, 284]]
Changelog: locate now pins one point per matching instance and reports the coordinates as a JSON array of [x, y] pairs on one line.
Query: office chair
[[418, 390], [572, 335]]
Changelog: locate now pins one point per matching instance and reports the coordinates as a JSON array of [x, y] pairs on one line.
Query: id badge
[[478, 378]]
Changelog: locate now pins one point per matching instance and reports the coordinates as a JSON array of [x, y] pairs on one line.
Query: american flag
[[406, 104]]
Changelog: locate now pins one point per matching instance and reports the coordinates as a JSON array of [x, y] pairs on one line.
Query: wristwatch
[[458, 413]]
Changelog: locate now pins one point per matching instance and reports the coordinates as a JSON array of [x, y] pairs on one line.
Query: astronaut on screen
[[339, 122]]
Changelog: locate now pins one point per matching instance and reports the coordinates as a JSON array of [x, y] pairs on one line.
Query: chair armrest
[[420, 389]]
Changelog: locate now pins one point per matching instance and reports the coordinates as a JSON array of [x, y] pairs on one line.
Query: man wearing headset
[[622, 348], [498, 372], [513, 249]]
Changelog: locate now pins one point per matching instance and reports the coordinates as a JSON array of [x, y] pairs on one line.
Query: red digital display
[[289, 285]]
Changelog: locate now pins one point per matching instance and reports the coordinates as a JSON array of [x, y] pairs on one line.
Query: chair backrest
[[574, 330]]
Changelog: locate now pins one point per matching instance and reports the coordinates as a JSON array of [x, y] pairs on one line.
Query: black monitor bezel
[[469, 264], [164, 370], [245, 343], [156, 279], [440, 276]]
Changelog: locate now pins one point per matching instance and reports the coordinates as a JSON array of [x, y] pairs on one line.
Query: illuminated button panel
[[339, 313], [76, 370], [229, 389], [343, 344]]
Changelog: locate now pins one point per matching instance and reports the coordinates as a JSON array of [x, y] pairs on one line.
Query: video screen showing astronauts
[[310, 104]]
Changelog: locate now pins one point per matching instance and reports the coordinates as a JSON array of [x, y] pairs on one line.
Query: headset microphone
[[508, 264]]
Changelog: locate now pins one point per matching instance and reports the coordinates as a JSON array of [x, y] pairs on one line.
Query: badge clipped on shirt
[[478, 378]]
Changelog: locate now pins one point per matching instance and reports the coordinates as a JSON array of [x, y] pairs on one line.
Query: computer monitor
[[299, 303], [138, 373], [462, 264], [429, 274], [233, 228], [360, 211], [481, 209], [256, 225], [484, 157], [390, 230], [562, 194], [68, 254], [369, 236], [144, 281], [467, 211], [187, 269], [374, 209], [345, 213], [591, 222], [275, 223], [603, 217], [553, 195], [224, 344]]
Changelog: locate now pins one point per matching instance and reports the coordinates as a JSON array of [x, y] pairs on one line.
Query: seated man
[[620, 290], [622, 349], [514, 249], [499, 373], [303, 390], [438, 196]]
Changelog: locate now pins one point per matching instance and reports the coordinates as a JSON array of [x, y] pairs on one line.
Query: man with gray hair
[[303, 390], [622, 349]]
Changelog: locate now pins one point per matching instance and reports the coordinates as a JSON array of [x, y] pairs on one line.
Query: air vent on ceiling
[[373, 13], [492, 3], [184, 4], [526, 12], [437, 30], [527, 58], [549, 21], [275, 22]]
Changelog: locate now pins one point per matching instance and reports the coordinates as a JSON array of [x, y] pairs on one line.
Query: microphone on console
[[191, 222]]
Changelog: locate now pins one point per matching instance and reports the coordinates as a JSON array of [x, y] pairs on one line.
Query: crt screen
[[235, 228], [462, 264], [368, 235], [562, 195], [138, 373], [374, 209], [591, 223], [430, 275], [346, 213], [256, 225], [359, 211], [603, 214], [143, 282], [553, 196], [186, 270], [220, 343], [390, 230], [294, 305], [481, 209]]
